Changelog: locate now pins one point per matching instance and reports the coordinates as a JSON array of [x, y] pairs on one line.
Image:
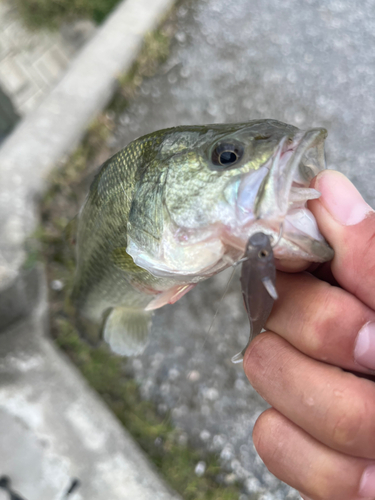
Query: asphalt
[[308, 64]]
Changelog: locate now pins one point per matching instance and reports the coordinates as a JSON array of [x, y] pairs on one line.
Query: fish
[[178, 206], [258, 284]]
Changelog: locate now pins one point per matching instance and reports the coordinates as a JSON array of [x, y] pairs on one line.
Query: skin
[[319, 434]]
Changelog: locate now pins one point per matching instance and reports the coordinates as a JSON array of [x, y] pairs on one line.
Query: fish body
[[178, 205]]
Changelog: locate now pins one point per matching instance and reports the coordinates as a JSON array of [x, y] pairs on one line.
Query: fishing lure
[[258, 278]]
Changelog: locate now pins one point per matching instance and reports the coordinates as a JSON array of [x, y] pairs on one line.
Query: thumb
[[348, 224]]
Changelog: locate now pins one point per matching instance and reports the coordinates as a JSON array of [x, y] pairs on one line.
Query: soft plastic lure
[[258, 284]]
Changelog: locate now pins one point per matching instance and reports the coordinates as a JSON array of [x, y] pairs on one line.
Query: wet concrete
[[308, 64]]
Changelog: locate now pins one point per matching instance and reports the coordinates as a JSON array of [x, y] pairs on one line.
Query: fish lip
[[274, 196], [278, 183], [271, 201]]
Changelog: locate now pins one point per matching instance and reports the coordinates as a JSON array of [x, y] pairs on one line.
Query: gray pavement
[[306, 63]]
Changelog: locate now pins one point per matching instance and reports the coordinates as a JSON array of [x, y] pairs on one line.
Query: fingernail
[[364, 350], [341, 198], [304, 497], [367, 485]]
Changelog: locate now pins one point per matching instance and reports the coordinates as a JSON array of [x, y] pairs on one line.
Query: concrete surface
[[31, 62], [19, 299], [56, 432], [306, 63]]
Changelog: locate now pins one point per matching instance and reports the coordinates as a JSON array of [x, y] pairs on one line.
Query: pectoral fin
[[126, 330], [269, 285], [169, 296]]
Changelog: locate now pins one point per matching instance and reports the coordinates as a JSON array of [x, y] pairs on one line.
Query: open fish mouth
[[279, 207]]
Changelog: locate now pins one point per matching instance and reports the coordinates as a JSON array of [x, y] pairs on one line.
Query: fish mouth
[[280, 205]]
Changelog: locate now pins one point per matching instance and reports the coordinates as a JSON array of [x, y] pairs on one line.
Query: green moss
[[51, 13]]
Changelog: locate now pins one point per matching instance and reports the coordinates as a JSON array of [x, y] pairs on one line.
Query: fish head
[[215, 186]]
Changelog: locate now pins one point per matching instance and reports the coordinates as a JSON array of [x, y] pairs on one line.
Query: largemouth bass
[[179, 205]]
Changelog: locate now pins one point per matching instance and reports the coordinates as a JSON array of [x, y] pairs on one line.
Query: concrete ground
[[232, 60], [32, 62]]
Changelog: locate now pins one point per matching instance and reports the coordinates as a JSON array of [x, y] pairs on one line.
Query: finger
[[323, 272], [309, 466], [335, 407], [348, 224], [291, 266], [317, 318]]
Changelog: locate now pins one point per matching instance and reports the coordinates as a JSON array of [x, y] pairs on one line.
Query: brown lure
[[258, 278]]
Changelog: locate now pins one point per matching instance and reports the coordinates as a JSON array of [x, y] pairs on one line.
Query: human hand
[[316, 363]]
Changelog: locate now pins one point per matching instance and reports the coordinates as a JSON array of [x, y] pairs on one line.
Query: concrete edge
[[55, 128], [58, 428]]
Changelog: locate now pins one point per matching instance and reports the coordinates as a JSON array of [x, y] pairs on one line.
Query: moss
[[51, 13]]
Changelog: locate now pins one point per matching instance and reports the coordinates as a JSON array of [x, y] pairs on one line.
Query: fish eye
[[226, 155]]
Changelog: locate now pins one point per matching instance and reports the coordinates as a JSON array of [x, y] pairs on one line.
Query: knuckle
[[256, 359], [346, 422], [357, 255], [264, 433], [265, 356], [324, 314], [366, 247]]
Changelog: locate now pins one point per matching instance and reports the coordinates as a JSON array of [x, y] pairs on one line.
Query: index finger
[[348, 224]]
